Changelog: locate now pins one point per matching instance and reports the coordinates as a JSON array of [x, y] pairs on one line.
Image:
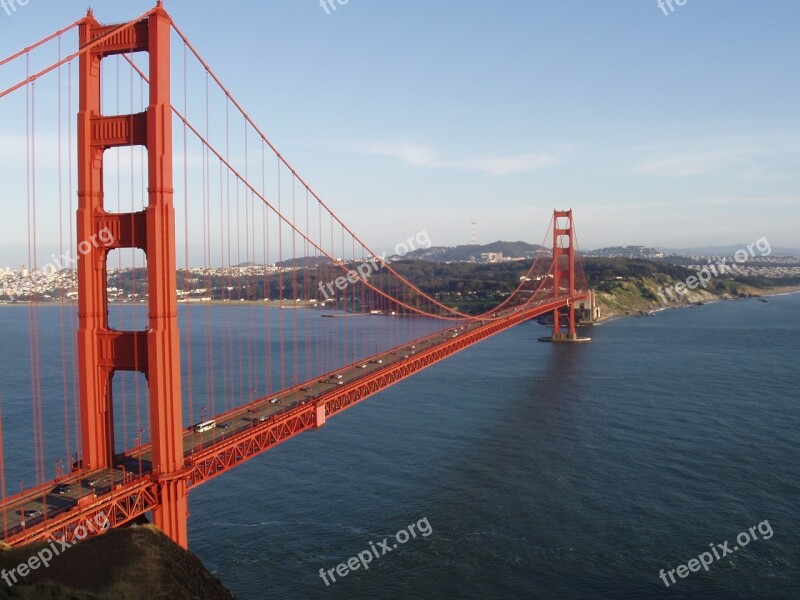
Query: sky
[[659, 127]]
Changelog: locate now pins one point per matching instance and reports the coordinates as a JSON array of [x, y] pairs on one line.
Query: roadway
[[65, 493], [82, 488]]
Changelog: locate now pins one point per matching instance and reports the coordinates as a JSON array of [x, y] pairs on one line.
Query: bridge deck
[[130, 489]]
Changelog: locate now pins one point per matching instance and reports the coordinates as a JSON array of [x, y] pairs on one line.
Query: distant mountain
[[511, 250], [473, 252], [726, 251], [304, 261], [436, 254]]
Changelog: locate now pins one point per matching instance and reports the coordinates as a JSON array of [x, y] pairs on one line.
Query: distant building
[[492, 257], [587, 310]]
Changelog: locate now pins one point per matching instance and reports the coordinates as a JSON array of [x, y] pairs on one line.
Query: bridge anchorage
[[273, 388]]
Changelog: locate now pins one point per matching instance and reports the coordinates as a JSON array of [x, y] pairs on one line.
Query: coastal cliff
[[135, 563]]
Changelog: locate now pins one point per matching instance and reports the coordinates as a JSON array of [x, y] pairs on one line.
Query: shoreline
[[291, 305], [757, 293]]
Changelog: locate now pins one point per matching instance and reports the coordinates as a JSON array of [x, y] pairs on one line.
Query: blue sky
[[671, 130]]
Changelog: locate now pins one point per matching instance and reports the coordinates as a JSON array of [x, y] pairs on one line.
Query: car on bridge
[[61, 489], [27, 517]]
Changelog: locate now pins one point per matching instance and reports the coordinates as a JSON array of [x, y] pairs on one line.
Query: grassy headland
[[624, 286], [123, 564]]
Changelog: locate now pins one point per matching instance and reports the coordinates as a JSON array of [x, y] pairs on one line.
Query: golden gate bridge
[[178, 188]]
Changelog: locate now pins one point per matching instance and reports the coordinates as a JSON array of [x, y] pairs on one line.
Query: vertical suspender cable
[[62, 251], [122, 317], [186, 273], [73, 311], [268, 312], [207, 262], [280, 287], [3, 470], [248, 332], [295, 335]]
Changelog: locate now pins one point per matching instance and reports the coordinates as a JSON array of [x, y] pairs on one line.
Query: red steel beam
[[94, 515], [214, 460], [125, 502]]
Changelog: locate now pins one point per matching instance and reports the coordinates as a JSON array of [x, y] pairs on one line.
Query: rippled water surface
[[544, 471]]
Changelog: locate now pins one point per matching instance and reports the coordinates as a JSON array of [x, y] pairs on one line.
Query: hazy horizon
[[664, 130]]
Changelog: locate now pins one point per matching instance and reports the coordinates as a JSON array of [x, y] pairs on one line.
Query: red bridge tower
[[564, 274], [103, 351]]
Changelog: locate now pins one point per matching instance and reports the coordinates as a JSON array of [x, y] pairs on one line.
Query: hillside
[[124, 564], [624, 286], [467, 252]]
